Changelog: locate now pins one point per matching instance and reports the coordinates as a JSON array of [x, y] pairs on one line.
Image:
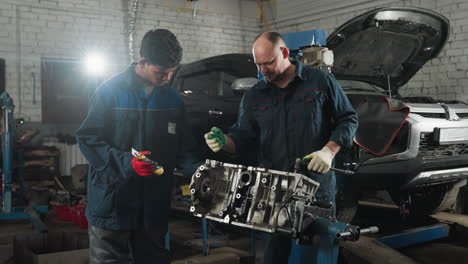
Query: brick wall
[[33, 29], [206, 34], [445, 77]]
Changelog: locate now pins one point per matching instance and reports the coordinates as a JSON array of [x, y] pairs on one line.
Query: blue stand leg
[[253, 239], [324, 248], [167, 240], [205, 236], [7, 107], [20, 164]]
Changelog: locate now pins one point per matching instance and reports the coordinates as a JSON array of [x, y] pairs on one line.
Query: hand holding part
[[215, 139], [144, 166], [320, 161]]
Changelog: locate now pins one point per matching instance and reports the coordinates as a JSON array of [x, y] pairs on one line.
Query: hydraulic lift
[[7, 211]]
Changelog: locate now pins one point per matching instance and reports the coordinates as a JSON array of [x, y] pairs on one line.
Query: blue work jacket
[[121, 117], [289, 123]]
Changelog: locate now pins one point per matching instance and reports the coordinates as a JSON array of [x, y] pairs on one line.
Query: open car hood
[[387, 45], [245, 66]]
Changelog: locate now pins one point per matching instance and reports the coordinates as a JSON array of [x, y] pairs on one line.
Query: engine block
[[256, 198]]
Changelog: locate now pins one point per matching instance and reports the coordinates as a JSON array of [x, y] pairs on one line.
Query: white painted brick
[[30, 29], [458, 44], [55, 25], [66, 18], [454, 52], [5, 49], [417, 84], [457, 74], [82, 21], [460, 22], [463, 82], [452, 82], [6, 6], [4, 20], [454, 59], [8, 13], [464, 58], [47, 17], [39, 11], [427, 83], [449, 67], [444, 60], [49, 3], [4, 34], [463, 66]]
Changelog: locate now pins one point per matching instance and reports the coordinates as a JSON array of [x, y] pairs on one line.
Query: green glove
[[215, 139]]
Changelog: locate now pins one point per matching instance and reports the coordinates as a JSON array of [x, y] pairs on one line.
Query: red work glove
[[143, 168]]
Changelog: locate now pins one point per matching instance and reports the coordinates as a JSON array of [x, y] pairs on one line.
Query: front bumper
[[431, 177], [410, 173]]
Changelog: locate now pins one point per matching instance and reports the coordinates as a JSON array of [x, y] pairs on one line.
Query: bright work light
[[95, 64]]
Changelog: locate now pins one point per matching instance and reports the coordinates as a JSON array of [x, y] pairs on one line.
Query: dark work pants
[[124, 247]]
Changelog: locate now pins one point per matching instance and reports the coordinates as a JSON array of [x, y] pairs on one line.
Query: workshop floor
[[449, 250], [227, 244]]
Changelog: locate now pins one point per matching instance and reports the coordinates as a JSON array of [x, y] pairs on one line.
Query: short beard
[[278, 77]]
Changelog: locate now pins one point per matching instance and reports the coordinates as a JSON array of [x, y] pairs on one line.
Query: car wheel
[[425, 201], [461, 206]]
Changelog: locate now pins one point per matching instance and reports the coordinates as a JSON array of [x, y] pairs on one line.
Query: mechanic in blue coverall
[[295, 111], [128, 204]]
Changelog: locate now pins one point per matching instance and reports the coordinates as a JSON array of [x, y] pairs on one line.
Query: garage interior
[[55, 53]]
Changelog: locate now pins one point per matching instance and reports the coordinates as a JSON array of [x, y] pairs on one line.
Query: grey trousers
[[124, 247]]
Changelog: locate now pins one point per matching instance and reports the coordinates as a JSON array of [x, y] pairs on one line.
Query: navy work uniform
[[291, 122], [122, 116]]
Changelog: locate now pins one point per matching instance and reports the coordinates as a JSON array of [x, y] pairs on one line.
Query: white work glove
[[215, 139], [320, 160]]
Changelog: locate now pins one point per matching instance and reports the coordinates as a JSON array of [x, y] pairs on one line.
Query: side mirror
[[239, 86]]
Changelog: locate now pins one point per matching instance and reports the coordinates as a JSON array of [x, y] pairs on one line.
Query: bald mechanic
[[293, 112]]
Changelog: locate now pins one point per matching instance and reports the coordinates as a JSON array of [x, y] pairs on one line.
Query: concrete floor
[[449, 250], [229, 245]]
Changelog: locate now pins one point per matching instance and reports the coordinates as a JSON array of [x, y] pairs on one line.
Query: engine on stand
[[267, 200]]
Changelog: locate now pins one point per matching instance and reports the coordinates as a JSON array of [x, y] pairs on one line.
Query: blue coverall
[[122, 116], [289, 123]]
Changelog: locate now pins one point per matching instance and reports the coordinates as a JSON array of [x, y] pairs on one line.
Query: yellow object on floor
[[185, 189]]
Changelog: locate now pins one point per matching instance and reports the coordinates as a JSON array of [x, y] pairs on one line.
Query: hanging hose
[[131, 29]]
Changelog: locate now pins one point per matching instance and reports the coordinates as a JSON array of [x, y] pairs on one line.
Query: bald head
[[271, 55], [273, 37], [268, 42]]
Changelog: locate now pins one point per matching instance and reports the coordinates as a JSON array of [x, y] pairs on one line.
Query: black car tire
[[462, 204], [429, 200], [346, 204]]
